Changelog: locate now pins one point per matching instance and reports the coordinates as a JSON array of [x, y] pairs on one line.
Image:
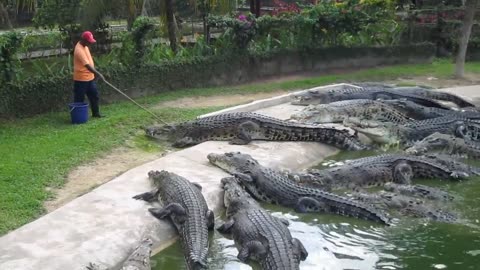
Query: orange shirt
[[81, 57]]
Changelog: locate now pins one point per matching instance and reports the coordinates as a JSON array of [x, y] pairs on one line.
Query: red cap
[[88, 36]]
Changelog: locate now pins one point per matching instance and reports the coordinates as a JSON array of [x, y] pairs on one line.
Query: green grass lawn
[[37, 153]]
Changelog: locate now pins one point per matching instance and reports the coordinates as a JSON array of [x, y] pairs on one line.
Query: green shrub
[[9, 63]]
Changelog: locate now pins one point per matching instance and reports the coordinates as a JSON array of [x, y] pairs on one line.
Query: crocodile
[[274, 187], [419, 112], [446, 143], [258, 235], [336, 112], [313, 97], [138, 260], [378, 170], [420, 191], [186, 207], [416, 94], [405, 205], [243, 127], [413, 131]]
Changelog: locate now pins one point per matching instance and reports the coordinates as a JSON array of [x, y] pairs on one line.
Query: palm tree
[[4, 17], [470, 9], [134, 9], [29, 5], [202, 7]]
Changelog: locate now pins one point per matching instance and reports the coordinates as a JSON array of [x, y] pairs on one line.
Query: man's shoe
[[98, 116]]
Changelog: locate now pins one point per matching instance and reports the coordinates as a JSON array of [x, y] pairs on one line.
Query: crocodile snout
[[212, 157]]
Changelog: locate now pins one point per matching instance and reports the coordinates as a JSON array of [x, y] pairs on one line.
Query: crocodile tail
[[342, 139], [197, 265], [453, 98], [371, 214], [358, 210]]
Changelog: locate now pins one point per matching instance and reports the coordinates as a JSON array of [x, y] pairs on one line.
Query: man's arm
[[94, 71]]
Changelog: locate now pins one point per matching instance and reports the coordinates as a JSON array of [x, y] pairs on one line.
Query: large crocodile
[[274, 187], [324, 96], [186, 207], [419, 112], [243, 127], [405, 205], [378, 170], [438, 142], [419, 95], [138, 260], [258, 235], [336, 112], [414, 131]]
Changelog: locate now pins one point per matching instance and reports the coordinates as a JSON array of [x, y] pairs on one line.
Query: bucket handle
[[73, 108]]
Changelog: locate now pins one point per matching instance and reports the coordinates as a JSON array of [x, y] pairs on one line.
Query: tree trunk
[[171, 24], [252, 6], [257, 8], [206, 29], [470, 8], [5, 17]]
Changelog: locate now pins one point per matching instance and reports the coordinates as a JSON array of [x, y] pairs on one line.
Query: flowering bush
[[280, 7]]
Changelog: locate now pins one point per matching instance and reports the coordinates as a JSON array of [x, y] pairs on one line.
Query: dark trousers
[[89, 88]]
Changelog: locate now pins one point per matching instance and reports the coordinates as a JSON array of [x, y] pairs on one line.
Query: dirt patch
[[214, 101], [470, 79], [91, 175]]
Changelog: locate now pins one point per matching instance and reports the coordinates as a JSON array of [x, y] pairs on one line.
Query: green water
[[335, 242]]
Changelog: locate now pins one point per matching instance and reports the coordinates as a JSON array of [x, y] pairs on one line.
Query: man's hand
[[94, 71]]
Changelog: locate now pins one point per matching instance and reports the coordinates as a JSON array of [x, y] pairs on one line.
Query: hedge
[[39, 95]]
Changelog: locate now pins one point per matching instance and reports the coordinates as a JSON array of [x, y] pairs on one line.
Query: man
[[84, 73]]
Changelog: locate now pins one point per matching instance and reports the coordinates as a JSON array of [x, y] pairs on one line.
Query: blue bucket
[[78, 112]]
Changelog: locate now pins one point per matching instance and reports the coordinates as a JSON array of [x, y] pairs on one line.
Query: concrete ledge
[[269, 102]]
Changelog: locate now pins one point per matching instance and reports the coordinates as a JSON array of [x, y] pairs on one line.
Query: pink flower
[[242, 17]]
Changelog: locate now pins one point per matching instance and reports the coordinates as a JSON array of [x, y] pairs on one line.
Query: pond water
[[335, 242]]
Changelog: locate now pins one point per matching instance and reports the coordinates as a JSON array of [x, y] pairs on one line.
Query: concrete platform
[[104, 225], [470, 93]]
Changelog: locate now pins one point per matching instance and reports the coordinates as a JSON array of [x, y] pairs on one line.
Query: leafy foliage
[[9, 64]]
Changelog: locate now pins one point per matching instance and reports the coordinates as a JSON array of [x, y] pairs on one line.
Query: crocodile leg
[[253, 250], [150, 196], [307, 204], [402, 173], [93, 266], [460, 130], [284, 221], [197, 185], [243, 130], [243, 177], [210, 220], [171, 209], [226, 227], [299, 249]]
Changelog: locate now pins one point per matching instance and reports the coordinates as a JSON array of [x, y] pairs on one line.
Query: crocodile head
[[435, 142], [159, 177], [322, 113], [165, 132], [233, 162], [376, 131], [312, 97], [235, 197]]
